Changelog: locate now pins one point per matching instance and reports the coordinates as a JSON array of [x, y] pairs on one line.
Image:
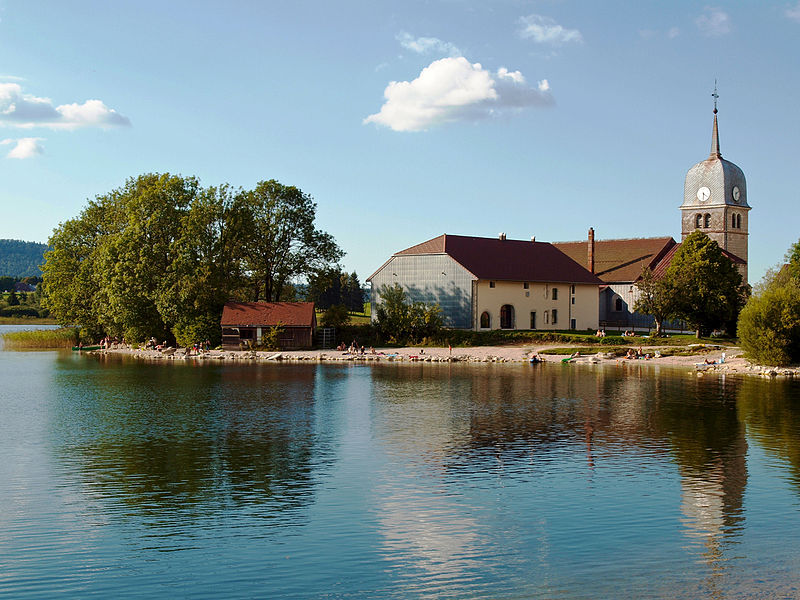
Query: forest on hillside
[[21, 259]]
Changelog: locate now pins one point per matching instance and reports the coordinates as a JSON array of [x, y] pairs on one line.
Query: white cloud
[[18, 109], [453, 89], [425, 45], [544, 30], [673, 33], [24, 147], [794, 13], [714, 22]]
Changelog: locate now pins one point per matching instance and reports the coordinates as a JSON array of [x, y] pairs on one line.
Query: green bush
[[19, 311], [769, 324], [270, 337]]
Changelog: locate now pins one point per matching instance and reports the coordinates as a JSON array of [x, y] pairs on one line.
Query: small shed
[[243, 323]]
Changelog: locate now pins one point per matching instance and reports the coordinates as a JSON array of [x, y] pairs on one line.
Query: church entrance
[[506, 317]]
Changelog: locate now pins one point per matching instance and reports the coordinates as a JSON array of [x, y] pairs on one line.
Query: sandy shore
[[734, 362]]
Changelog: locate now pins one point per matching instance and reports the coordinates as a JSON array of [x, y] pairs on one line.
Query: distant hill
[[21, 259]]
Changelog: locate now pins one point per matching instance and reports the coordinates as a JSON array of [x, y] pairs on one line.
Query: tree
[[13, 299], [708, 290], [281, 241], [769, 324], [401, 321], [332, 286], [656, 299], [336, 316]]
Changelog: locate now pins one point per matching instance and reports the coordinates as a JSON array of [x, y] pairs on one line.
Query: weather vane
[[715, 95]]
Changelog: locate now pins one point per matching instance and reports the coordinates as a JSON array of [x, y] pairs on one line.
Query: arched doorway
[[486, 322], [506, 317]]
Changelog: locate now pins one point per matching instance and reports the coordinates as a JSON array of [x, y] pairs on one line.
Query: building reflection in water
[[465, 417]]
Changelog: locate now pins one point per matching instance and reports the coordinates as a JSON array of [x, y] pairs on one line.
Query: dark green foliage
[[336, 316], [20, 311], [331, 287], [769, 325], [7, 283], [705, 287], [279, 239], [657, 299], [161, 256], [21, 259], [13, 299]]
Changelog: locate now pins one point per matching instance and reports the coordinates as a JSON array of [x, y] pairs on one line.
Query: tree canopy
[[161, 255], [704, 286], [769, 325]]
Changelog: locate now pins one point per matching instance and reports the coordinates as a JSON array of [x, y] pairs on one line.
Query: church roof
[[619, 261], [660, 268], [719, 176], [503, 259]]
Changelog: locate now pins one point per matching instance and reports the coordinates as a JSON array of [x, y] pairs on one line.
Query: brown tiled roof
[[663, 264], [510, 260], [619, 261], [259, 314]]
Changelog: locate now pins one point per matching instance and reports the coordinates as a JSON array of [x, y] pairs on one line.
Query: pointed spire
[[715, 153]]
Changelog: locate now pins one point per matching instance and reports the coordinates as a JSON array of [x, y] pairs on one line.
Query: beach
[[706, 359]]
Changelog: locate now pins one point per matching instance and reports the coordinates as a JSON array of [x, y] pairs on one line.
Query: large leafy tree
[[161, 255], [708, 289], [281, 241], [769, 325], [656, 298]]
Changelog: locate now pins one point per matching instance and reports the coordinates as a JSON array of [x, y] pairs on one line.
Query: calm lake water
[[123, 479]]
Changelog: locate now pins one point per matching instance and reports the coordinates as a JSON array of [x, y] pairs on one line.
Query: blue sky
[[406, 120]]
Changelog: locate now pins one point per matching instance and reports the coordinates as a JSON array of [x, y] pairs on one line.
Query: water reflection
[[397, 480], [172, 438]]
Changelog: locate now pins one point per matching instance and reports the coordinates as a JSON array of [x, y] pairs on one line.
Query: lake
[[137, 480]]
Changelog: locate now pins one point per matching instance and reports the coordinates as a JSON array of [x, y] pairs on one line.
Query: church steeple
[[715, 200], [715, 153]]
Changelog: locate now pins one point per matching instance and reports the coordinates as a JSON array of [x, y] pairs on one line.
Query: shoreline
[[734, 363]]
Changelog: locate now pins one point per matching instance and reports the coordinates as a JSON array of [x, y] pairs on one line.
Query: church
[[495, 283]]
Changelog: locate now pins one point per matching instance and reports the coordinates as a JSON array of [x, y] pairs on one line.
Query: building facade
[[494, 283]]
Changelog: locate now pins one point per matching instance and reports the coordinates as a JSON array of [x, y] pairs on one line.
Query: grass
[[26, 321], [41, 340]]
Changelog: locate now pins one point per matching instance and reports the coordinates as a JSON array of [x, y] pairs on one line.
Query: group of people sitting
[[355, 349], [634, 354]]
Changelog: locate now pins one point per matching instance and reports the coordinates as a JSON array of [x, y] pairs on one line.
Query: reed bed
[[45, 339]]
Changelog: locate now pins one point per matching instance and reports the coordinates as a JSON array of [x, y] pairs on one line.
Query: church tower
[[715, 201]]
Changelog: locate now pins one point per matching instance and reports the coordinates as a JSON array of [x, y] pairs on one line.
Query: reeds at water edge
[[66, 337]]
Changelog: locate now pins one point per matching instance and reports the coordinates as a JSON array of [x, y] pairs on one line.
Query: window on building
[[573, 324], [572, 289], [525, 285], [555, 316], [618, 304], [491, 284], [573, 299], [555, 293], [533, 319], [698, 221], [506, 317], [486, 321], [733, 221], [738, 221], [547, 317], [707, 220]]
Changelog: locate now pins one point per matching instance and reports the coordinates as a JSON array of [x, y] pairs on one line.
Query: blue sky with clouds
[[406, 120]]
